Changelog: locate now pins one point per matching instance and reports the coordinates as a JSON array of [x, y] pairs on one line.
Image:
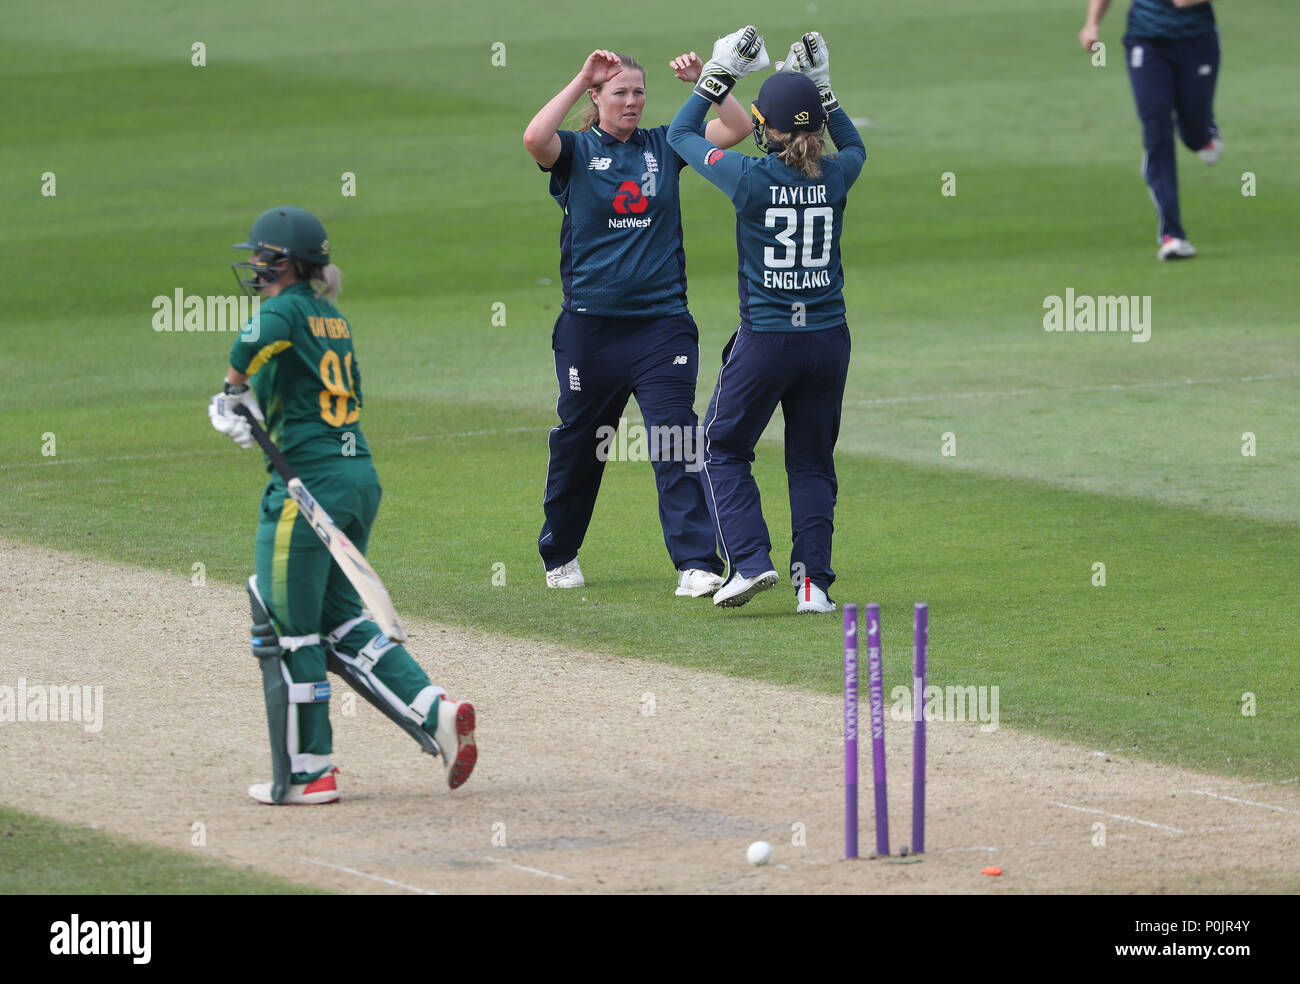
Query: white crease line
[[1119, 816], [362, 874], [1278, 782], [531, 871], [1105, 388], [993, 849], [1253, 826], [1245, 802]]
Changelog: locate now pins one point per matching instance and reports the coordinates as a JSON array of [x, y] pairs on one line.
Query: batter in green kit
[[295, 359]]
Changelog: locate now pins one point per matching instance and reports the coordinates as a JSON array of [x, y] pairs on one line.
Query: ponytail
[[325, 279], [327, 282], [802, 151]]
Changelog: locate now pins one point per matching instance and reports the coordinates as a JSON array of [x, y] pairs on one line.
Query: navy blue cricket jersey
[[1160, 20], [621, 252], [787, 225]]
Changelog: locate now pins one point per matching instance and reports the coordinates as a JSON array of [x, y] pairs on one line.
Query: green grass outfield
[[1072, 450], [45, 857]]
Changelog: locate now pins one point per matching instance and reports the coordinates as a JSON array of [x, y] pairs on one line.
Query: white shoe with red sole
[[1173, 248], [1213, 150], [455, 737], [321, 790], [812, 600]]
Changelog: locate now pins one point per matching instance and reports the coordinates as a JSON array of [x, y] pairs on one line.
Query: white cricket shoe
[[1173, 248], [455, 738], [695, 583], [739, 590], [813, 601], [566, 576], [1212, 151], [320, 790]]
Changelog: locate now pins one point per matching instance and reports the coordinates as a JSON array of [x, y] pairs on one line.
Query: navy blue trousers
[[804, 372], [599, 363], [1172, 80]]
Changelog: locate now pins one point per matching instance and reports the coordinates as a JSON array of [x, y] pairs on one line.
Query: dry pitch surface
[[578, 789]]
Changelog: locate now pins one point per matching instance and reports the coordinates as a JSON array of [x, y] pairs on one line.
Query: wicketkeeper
[[307, 617], [792, 345]]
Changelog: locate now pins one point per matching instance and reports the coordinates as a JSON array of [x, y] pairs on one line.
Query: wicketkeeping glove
[[734, 57], [810, 56], [221, 411]]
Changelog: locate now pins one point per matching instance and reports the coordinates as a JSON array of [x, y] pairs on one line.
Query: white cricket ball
[[760, 852]]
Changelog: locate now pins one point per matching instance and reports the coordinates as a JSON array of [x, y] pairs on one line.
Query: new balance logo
[[680, 360], [600, 163], [575, 384]]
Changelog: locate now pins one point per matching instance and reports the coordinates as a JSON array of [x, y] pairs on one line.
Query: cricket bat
[[350, 560]]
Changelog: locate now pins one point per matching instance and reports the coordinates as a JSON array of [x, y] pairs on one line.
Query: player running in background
[[1173, 66], [307, 616], [624, 328], [792, 346]]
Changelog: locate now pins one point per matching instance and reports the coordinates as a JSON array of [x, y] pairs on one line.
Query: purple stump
[[877, 729], [850, 731], [920, 639]]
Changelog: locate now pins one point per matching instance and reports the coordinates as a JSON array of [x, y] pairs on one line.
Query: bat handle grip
[[261, 437]]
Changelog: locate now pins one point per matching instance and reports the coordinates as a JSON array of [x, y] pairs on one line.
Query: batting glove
[[221, 411], [810, 56], [734, 57]]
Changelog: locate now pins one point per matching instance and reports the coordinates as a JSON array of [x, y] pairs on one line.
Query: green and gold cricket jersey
[[298, 354], [298, 351]]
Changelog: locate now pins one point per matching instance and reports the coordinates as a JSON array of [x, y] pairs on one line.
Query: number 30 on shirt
[[816, 250]]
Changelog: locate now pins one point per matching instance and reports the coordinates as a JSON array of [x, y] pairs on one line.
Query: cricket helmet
[[281, 234], [788, 102]]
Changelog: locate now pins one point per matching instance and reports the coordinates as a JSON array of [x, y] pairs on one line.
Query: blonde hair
[[327, 282], [803, 150], [325, 279], [590, 114]]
